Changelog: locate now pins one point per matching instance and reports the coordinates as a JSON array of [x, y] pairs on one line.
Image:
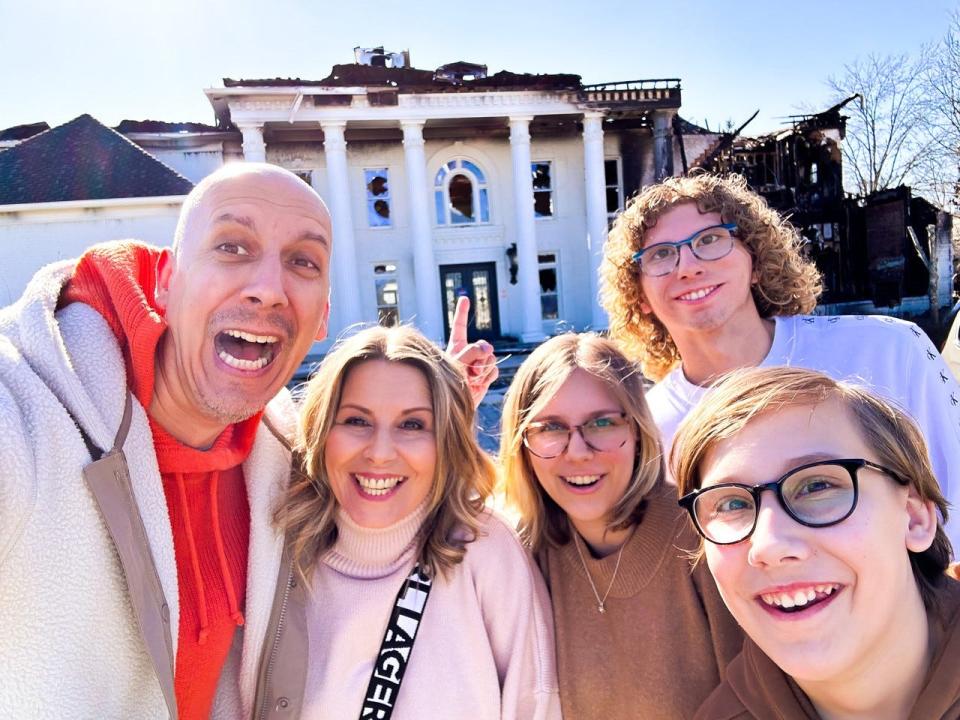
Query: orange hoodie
[[205, 491]]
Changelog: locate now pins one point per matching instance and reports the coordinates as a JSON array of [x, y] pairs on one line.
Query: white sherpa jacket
[[70, 645]]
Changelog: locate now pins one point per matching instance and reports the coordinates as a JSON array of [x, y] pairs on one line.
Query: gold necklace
[[600, 601]]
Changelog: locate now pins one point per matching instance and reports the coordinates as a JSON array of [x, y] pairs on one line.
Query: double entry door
[[478, 281]]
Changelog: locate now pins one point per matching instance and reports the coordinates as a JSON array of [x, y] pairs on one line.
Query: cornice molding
[[410, 107]]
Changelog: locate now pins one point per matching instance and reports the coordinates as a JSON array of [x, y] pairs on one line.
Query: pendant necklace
[[600, 600]]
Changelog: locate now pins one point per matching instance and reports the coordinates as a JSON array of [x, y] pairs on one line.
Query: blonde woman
[[837, 573], [638, 634], [419, 599]]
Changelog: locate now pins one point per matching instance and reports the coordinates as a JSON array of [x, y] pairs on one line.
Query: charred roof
[[22, 132], [413, 80], [161, 126]]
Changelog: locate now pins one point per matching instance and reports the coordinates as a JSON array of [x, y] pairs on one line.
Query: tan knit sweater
[[658, 650]]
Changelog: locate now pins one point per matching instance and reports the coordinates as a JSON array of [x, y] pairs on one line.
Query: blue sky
[[119, 59]]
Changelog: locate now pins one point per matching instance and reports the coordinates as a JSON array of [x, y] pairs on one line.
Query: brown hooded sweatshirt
[[756, 689]]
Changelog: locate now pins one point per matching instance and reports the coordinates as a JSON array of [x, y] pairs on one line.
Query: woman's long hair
[[542, 521], [464, 475]]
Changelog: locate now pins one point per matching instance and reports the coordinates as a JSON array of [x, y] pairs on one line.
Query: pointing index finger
[[458, 333]]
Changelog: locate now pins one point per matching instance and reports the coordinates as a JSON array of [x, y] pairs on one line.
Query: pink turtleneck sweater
[[485, 646]]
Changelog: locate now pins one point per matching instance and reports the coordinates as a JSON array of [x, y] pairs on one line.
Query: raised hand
[[477, 357]]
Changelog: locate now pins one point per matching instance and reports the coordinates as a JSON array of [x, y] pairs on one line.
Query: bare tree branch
[[882, 145]]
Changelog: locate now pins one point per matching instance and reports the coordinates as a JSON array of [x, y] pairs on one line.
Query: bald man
[[142, 425]]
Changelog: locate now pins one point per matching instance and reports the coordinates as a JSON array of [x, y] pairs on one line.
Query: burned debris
[[887, 250]]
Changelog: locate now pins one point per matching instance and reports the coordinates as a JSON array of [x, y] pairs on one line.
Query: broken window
[[388, 294], [614, 183], [378, 197], [461, 199], [549, 295], [460, 194], [542, 189]]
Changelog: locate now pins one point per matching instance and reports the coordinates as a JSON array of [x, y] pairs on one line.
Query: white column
[[254, 148], [346, 283], [528, 275], [425, 271], [595, 189]]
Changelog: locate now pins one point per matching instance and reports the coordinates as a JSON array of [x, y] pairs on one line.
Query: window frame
[[555, 266], [552, 190], [480, 190], [619, 186], [369, 198], [387, 274]]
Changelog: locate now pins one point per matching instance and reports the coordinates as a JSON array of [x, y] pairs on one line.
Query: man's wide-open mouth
[[246, 351]]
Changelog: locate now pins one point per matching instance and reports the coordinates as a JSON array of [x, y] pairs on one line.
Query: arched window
[[460, 194]]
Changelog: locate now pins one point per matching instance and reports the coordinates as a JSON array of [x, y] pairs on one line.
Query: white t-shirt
[[891, 356]]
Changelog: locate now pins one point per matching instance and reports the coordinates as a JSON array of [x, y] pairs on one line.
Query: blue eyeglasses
[[709, 243]]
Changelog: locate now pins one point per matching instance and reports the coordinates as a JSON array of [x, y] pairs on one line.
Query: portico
[[510, 179]]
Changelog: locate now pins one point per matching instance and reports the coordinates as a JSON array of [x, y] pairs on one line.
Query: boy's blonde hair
[[899, 446]]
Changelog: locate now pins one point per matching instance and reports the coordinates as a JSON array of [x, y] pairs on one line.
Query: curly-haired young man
[[701, 277]]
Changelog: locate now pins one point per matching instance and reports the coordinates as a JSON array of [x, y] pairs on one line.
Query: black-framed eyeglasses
[[817, 494], [709, 243], [549, 439]]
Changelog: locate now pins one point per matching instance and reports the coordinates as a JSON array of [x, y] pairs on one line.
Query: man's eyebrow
[[248, 223], [316, 237], [238, 219]]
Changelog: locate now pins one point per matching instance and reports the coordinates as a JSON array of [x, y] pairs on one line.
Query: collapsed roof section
[[161, 126], [455, 77], [829, 123], [380, 78]]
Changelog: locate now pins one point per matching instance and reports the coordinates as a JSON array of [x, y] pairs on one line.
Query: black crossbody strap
[[391, 661]]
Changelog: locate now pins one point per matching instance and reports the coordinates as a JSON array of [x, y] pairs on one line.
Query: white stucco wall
[[194, 164], [33, 237]]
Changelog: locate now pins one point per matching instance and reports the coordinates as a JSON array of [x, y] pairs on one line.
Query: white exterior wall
[[32, 238], [566, 232], [194, 164], [563, 234]]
